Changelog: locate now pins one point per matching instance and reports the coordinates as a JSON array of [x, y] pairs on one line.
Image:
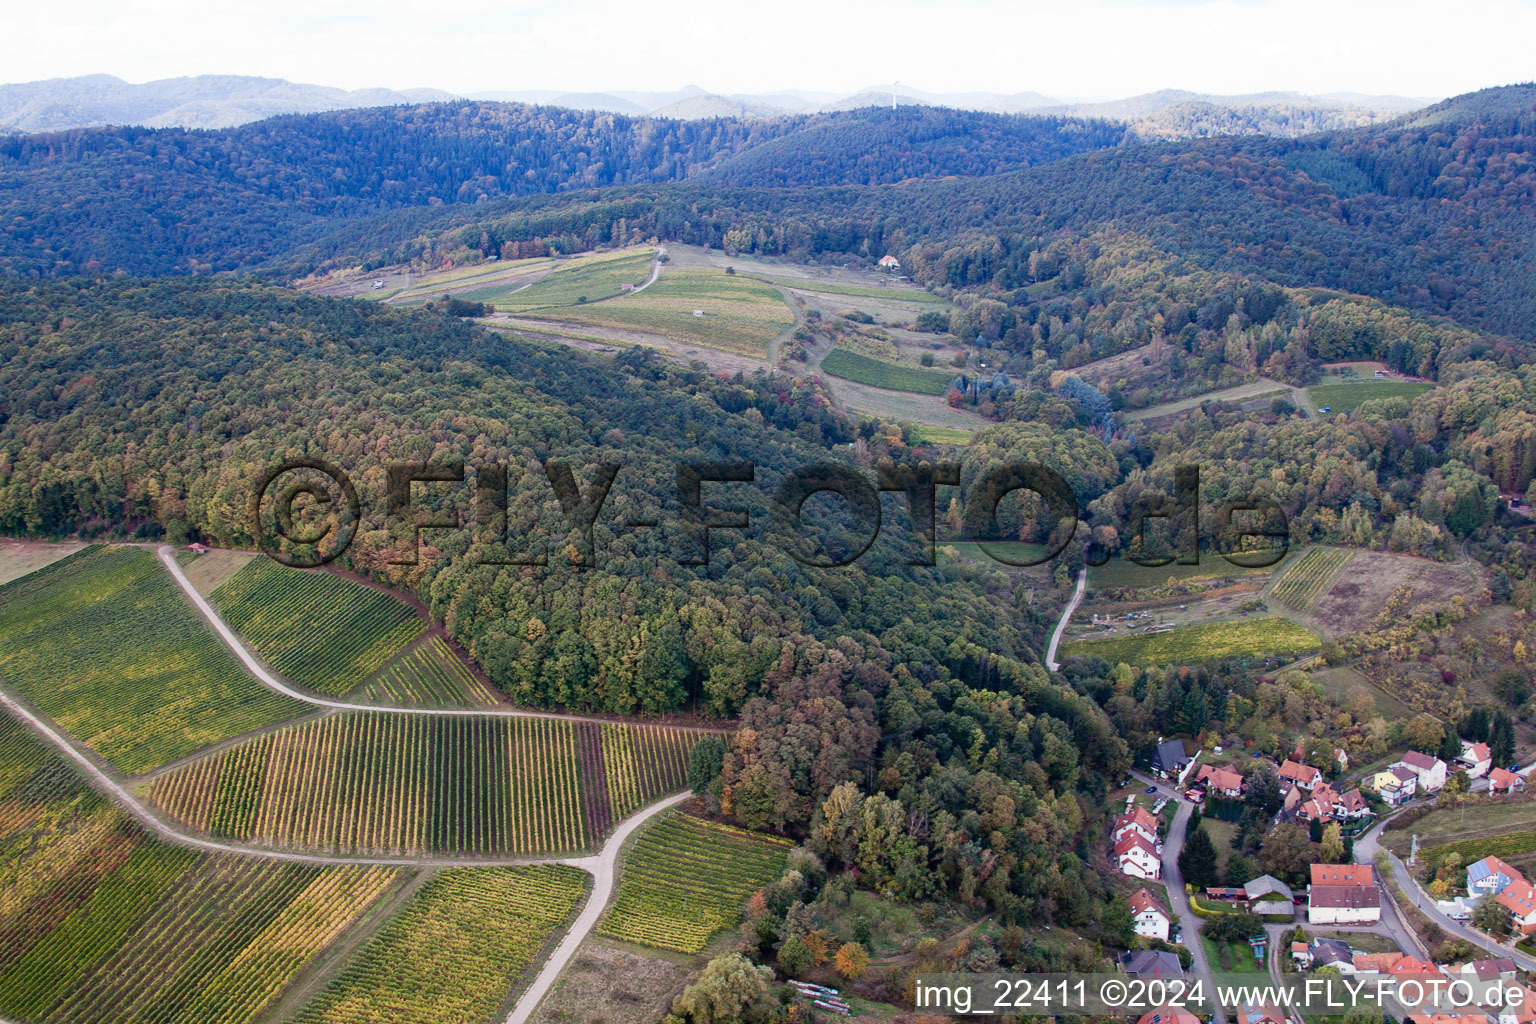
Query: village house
[[1333, 953], [1301, 955], [1137, 820], [1261, 1014], [1149, 918], [1225, 782], [1169, 759], [1519, 1012], [1475, 759], [1499, 968], [1343, 894], [1138, 858], [1501, 780], [1169, 1015], [1520, 900], [1491, 876], [1429, 770], [1150, 963], [1296, 774], [1395, 785], [890, 262]]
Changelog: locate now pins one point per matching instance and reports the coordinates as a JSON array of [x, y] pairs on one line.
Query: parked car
[[1151, 789]]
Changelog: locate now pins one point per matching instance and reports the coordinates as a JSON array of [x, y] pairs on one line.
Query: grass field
[[890, 294], [17, 558], [1247, 638], [1347, 397], [101, 924], [1471, 824], [1307, 577], [864, 370], [1122, 572], [429, 675], [374, 782], [104, 643], [686, 879], [942, 435], [319, 630], [740, 314], [573, 283], [454, 955]]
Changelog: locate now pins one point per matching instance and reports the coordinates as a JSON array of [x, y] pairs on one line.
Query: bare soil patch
[[1358, 596], [19, 557], [209, 570], [614, 983]]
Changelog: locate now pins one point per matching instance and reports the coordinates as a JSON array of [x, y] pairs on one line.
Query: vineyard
[[376, 782], [1247, 638], [100, 923], [319, 630], [104, 643], [686, 879], [1299, 588], [877, 373], [428, 675], [457, 950]]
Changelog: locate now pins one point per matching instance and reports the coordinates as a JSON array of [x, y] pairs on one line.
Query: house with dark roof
[[1169, 759], [1343, 894], [1430, 770], [1332, 953], [1150, 963], [1499, 968]]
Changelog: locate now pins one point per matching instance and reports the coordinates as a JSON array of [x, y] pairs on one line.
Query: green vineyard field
[[101, 924], [105, 644], [1300, 588], [877, 373], [319, 630], [686, 879], [428, 675], [1249, 638], [455, 953], [378, 782]]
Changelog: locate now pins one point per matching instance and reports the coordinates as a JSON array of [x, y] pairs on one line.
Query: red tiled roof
[[1142, 899], [1343, 874]]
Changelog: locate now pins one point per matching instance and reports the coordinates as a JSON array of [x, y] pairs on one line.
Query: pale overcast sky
[[1064, 48]]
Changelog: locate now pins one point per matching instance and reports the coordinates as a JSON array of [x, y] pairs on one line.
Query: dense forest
[[175, 200]]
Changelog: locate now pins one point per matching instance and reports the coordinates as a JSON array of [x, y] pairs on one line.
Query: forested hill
[[175, 200], [1433, 212]]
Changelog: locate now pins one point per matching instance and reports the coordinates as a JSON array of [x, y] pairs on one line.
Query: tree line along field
[[1307, 578], [319, 630], [739, 314], [455, 953], [1206, 642], [378, 782], [428, 675], [685, 879], [104, 643], [862, 369], [102, 924]]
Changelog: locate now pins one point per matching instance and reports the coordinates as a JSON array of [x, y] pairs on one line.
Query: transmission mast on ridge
[[893, 95]]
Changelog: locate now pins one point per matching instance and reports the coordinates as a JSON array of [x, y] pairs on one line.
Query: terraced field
[[685, 879], [739, 314], [456, 952], [319, 630], [376, 782], [588, 279], [1249, 638], [877, 373], [428, 676], [101, 923], [1308, 577], [104, 643]]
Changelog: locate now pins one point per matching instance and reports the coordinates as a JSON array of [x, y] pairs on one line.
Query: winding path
[[1066, 616], [237, 646], [602, 866]]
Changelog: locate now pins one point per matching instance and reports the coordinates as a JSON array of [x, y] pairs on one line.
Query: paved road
[[603, 868], [1366, 848], [1066, 614], [1173, 879]]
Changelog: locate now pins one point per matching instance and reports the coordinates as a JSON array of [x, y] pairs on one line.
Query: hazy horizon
[[1085, 52]]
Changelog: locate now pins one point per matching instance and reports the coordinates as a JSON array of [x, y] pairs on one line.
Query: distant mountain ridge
[[227, 101]]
